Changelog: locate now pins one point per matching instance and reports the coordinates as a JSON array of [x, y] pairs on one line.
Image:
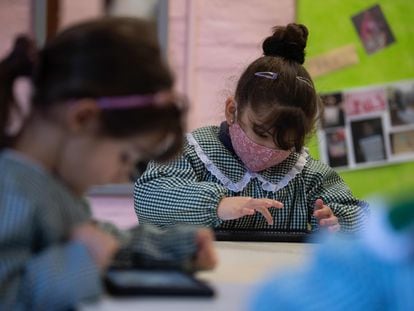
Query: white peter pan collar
[[248, 176]]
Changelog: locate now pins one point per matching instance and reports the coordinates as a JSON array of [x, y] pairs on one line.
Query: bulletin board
[[330, 27]]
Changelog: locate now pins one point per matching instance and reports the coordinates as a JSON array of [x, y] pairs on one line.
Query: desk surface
[[241, 266]]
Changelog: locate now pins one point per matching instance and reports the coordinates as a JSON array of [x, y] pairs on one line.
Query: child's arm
[[328, 186], [60, 277], [183, 245], [36, 270], [57, 278], [173, 193]]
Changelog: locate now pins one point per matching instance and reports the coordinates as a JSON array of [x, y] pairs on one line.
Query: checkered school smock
[[189, 188], [40, 267]]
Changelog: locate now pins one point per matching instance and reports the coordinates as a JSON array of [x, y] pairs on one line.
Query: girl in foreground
[[101, 101]]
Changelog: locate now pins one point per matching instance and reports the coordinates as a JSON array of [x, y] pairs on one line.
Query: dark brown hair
[[287, 105], [100, 58], [19, 63]]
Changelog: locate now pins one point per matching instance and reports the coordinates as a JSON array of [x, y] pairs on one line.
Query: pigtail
[[19, 63]]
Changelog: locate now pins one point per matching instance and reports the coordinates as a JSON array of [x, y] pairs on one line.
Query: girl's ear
[[230, 110], [83, 116]]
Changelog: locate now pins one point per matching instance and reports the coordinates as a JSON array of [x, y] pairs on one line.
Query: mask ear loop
[[232, 120]]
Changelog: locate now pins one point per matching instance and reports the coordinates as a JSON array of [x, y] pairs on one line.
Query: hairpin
[[304, 80], [267, 74]]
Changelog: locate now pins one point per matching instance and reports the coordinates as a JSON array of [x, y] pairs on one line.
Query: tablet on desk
[[139, 282], [262, 235]]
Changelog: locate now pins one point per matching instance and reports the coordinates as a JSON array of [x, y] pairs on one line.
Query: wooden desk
[[241, 266]]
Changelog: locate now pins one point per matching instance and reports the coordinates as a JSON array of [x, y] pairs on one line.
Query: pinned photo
[[401, 104], [402, 142], [336, 147], [373, 29], [365, 102], [333, 112], [368, 140]]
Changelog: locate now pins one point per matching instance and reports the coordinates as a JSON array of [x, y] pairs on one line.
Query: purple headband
[[134, 101]]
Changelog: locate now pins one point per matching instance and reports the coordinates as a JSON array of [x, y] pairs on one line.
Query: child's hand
[[101, 245], [236, 207], [206, 257], [326, 217]]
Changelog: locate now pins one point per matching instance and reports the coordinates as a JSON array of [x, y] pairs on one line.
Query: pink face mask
[[254, 156]]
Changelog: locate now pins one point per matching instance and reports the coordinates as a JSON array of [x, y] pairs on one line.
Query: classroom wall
[[15, 19], [73, 11], [210, 44]]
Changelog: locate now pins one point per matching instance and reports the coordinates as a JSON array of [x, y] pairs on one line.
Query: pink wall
[[73, 11], [210, 44], [14, 19]]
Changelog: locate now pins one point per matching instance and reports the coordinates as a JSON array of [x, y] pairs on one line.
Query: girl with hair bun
[[253, 171]]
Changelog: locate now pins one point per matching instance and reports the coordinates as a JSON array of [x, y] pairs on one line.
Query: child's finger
[[274, 203], [331, 221], [262, 206], [246, 211], [318, 204], [267, 203], [265, 212], [334, 228], [206, 259], [206, 256], [324, 212]]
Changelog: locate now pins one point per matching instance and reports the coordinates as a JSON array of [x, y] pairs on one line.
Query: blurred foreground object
[[373, 272]]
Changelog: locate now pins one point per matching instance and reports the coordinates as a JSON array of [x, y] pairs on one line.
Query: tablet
[[139, 282], [262, 235]]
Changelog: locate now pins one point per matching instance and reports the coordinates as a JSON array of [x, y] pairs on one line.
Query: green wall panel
[[330, 26]]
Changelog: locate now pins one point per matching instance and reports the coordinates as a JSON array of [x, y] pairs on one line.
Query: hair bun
[[288, 42]]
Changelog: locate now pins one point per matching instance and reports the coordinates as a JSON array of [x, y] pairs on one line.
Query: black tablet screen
[[155, 282]]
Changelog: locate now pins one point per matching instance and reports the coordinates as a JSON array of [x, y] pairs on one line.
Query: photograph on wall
[[373, 29], [368, 140], [401, 104], [368, 126], [336, 147], [365, 101], [402, 143], [333, 112]]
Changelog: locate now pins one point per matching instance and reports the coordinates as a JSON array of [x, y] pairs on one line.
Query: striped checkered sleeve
[[56, 278], [173, 193], [329, 186], [152, 244], [175, 245], [60, 277]]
